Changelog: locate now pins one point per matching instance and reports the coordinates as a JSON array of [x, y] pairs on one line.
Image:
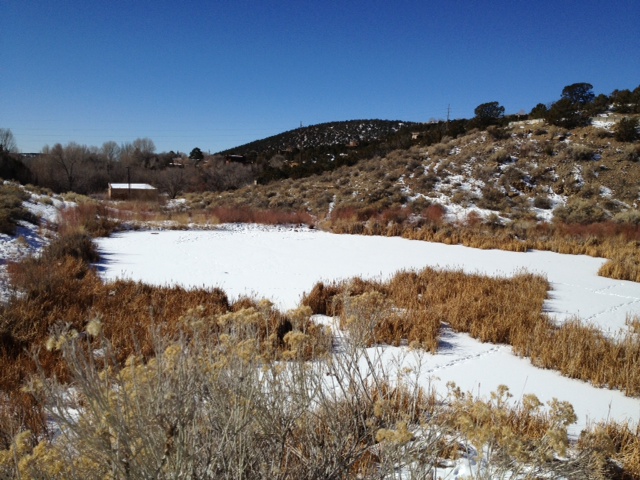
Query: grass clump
[[411, 308], [11, 208]]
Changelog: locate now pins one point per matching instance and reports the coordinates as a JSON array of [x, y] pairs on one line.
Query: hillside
[[331, 134], [525, 171]]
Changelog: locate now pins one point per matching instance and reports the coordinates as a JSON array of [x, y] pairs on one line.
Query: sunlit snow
[[281, 263]]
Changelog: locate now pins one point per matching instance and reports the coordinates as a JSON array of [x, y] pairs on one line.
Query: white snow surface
[[281, 263]]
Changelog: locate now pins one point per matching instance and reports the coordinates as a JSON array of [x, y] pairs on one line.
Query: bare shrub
[[498, 133], [11, 209], [631, 216], [266, 217], [214, 410], [88, 217], [580, 211], [631, 153], [500, 157], [577, 152], [434, 214], [201, 409], [440, 149], [542, 201], [493, 198]]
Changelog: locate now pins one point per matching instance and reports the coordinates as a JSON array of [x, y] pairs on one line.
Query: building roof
[[133, 186]]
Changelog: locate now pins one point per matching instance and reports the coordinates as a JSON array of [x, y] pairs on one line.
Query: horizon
[[217, 76]]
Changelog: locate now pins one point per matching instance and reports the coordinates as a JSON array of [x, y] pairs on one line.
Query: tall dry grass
[[266, 217], [411, 307], [60, 288], [140, 213]]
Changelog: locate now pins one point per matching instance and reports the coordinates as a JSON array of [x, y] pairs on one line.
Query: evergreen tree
[[578, 93], [539, 111], [488, 114], [627, 130], [196, 154]]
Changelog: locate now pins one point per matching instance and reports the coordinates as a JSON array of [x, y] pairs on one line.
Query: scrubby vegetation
[[159, 382], [60, 288], [200, 387], [11, 209], [198, 409]]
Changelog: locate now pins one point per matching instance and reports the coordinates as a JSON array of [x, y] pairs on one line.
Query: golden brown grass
[[59, 290], [618, 444], [616, 242], [411, 307]]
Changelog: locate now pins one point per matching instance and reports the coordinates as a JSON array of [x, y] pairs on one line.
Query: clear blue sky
[[217, 74]]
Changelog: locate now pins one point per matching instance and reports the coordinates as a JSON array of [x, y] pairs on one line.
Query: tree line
[[89, 169]]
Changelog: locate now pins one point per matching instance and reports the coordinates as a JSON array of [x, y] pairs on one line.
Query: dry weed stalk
[[203, 409]]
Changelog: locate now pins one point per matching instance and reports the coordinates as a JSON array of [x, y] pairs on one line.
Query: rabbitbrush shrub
[[203, 409]]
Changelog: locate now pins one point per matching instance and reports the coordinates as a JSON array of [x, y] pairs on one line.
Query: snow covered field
[[281, 263]]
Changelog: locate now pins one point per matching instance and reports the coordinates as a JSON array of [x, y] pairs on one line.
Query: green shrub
[[627, 130]]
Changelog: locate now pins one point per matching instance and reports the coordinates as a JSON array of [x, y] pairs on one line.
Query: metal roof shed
[[132, 191]]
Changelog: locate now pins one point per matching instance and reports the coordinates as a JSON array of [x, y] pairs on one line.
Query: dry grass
[[617, 242], [365, 430], [11, 209], [265, 217], [618, 445], [89, 217], [203, 408], [411, 307], [59, 288], [202, 213]]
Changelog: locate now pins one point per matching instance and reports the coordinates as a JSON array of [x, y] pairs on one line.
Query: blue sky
[[217, 74]]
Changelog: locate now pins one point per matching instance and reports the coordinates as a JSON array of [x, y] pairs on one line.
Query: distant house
[[132, 191]]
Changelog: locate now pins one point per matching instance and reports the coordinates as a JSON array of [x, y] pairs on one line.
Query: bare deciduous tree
[[7, 140], [111, 151]]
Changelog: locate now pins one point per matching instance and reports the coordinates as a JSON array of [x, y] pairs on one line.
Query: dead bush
[[577, 152]]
